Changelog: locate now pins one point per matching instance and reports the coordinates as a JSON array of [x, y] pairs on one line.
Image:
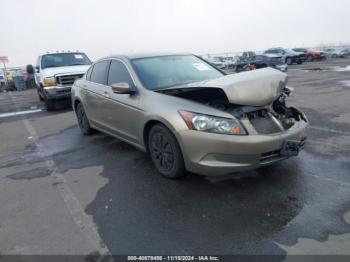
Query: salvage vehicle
[[188, 115], [262, 61], [55, 74], [290, 56], [311, 55], [2, 78], [218, 62], [344, 53], [336, 52], [273, 61]]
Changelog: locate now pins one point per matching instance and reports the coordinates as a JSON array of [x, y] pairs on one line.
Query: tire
[[83, 120], [50, 105], [40, 97], [289, 60], [165, 152], [309, 58]]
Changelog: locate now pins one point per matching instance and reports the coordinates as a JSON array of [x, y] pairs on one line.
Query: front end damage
[[275, 131]]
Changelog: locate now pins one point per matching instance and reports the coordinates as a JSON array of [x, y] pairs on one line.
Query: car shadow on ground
[[184, 216], [140, 212]]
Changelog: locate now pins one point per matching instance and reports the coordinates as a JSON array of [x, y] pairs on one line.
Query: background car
[[261, 61], [333, 52], [290, 56], [218, 61], [344, 53], [310, 54], [55, 74]]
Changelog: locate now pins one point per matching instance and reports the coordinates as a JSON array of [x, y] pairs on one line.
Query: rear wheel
[[83, 121], [165, 152], [289, 60]]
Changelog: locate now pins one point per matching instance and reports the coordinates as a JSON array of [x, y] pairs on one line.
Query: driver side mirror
[[121, 88]]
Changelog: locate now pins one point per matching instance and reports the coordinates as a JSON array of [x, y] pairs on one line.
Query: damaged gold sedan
[[189, 115]]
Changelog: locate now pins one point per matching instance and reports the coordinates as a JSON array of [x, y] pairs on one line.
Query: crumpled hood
[[252, 88]]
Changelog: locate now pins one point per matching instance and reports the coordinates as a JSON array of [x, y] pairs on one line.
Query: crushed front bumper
[[216, 154], [57, 92]]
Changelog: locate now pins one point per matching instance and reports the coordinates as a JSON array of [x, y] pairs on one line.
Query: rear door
[[95, 91]]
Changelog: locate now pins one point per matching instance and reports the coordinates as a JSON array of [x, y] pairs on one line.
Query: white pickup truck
[[55, 74]]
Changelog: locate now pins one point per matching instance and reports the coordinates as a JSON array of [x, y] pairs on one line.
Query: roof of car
[[144, 55]]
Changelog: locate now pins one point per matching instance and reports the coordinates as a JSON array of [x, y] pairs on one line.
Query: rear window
[[99, 72]]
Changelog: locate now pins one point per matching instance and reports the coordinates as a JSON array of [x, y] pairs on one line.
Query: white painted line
[[82, 220], [18, 113]]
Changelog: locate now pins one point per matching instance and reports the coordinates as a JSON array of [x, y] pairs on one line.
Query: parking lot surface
[[64, 193]]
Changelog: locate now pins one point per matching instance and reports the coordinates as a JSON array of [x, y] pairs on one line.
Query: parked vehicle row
[[311, 55], [55, 73], [290, 57]]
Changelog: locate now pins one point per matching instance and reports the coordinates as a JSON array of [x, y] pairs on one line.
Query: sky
[[100, 28]]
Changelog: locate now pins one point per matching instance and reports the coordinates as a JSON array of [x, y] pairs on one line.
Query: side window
[[99, 72], [118, 73], [88, 73]]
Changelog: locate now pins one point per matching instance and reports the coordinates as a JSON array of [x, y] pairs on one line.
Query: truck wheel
[[83, 120], [289, 60], [165, 152], [40, 97]]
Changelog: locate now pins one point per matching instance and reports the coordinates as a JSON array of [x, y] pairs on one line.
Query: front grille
[[265, 125], [67, 80]]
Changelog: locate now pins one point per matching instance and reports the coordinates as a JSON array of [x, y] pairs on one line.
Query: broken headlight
[[212, 124]]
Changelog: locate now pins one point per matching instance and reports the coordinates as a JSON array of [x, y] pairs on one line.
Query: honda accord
[[189, 115]]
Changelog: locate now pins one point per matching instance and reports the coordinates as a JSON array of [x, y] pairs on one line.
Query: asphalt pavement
[[64, 193]]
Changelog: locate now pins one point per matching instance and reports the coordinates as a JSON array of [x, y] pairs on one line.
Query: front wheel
[[83, 121], [165, 152], [40, 97]]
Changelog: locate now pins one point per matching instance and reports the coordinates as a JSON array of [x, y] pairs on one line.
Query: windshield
[[166, 71], [64, 59]]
